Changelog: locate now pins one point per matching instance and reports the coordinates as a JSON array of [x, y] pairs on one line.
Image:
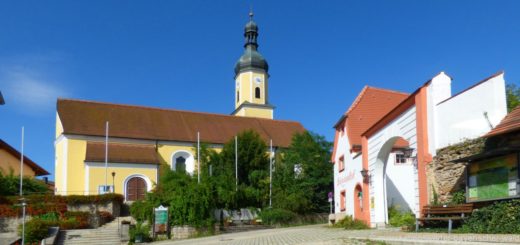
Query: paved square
[[321, 234]]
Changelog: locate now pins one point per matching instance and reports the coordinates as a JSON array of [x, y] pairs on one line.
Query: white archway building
[[428, 119]]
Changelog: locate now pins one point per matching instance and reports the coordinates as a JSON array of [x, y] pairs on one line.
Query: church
[[141, 138]]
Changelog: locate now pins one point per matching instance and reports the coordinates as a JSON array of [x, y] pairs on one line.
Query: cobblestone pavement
[[322, 235]]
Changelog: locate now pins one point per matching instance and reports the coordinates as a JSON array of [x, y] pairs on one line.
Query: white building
[[382, 126]]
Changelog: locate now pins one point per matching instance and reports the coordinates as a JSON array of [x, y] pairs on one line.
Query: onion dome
[[251, 59]]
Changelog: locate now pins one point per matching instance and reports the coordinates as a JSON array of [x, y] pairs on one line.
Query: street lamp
[[407, 152], [24, 205], [364, 174], [113, 185]]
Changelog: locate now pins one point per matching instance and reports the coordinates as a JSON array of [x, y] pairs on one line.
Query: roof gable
[[39, 171], [510, 123], [368, 108]]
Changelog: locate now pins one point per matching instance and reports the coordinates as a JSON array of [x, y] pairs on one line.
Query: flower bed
[[42, 204], [68, 212]]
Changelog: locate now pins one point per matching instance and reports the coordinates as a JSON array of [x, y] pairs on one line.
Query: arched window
[[257, 93], [183, 161], [180, 164]]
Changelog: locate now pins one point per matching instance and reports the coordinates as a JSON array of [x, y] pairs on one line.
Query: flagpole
[[21, 165], [21, 190], [270, 172], [236, 163], [106, 157], [198, 156]]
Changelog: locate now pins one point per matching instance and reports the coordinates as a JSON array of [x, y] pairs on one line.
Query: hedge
[[277, 216], [500, 217], [42, 204]]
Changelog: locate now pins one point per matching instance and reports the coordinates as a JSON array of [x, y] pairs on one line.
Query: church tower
[[251, 78]]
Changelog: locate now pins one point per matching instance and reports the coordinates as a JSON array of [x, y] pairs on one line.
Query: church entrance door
[[135, 189]]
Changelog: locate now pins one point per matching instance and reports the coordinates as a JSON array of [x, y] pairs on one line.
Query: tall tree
[[512, 96], [303, 175], [253, 175]]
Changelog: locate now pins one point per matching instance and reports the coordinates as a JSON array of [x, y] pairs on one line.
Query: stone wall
[[186, 231], [446, 176], [10, 224], [112, 207]]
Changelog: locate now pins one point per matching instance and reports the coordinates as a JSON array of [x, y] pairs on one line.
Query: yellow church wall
[[262, 87], [244, 80], [9, 163], [58, 166], [123, 172], [59, 126], [166, 151], [256, 112], [76, 152]]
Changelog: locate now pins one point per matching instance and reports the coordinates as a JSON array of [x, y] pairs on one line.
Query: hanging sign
[[160, 219]]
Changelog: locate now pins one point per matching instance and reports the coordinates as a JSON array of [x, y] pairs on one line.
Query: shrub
[[51, 217], [11, 184], [95, 199], [351, 224], [500, 217], [458, 197], [140, 230], [76, 220], [105, 216], [8, 211], [142, 211], [398, 218], [36, 230], [277, 216], [70, 224]]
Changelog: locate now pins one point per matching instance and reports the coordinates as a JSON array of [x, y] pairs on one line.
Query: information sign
[[161, 219]]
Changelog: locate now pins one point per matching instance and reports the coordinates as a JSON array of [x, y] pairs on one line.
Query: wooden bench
[[444, 213]]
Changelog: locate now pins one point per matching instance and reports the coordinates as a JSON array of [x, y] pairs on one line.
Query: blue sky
[[180, 55]]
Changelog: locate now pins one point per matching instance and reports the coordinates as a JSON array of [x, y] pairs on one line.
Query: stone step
[[107, 234]]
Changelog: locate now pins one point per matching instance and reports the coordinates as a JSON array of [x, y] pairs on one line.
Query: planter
[[138, 238]]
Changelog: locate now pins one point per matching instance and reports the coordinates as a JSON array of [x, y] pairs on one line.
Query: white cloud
[[29, 91]]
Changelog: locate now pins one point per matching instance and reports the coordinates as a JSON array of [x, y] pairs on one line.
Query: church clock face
[[258, 80]]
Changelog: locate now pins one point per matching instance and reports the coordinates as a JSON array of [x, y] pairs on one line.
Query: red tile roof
[[121, 153], [510, 123], [368, 108], [39, 171], [126, 121]]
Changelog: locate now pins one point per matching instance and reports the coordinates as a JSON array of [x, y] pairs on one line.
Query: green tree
[[513, 96], [253, 172], [190, 202], [306, 191], [10, 185]]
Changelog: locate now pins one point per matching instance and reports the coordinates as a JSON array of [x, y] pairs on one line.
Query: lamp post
[[407, 152], [364, 174], [23, 204], [113, 185]]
